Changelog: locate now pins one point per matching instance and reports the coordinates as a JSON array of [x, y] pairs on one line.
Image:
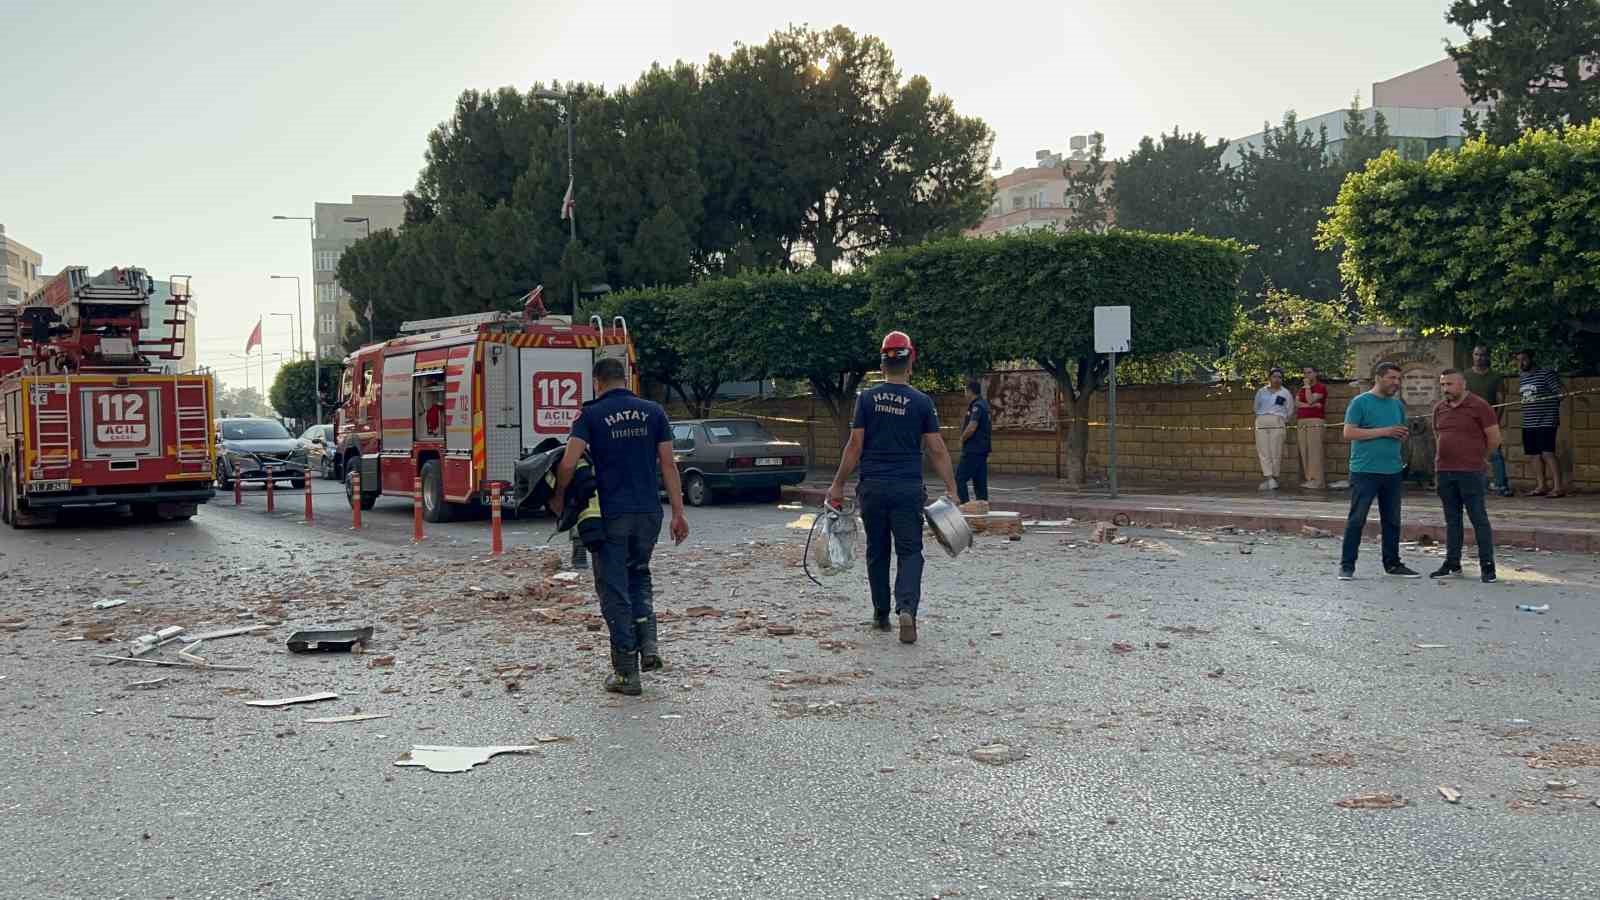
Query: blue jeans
[[1364, 488], [892, 511], [1458, 491], [622, 575], [974, 467], [1498, 460]]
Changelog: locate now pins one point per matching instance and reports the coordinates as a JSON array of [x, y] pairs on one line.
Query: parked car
[[731, 456], [249, 448], [318, 443]]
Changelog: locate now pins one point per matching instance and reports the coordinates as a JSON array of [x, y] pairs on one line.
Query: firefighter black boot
[[649, 651], [624, 678]]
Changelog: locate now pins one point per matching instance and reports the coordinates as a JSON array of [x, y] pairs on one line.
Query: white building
[[23, 273], [332, 236]]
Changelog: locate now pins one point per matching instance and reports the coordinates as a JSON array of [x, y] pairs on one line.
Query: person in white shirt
[[1274, 409]]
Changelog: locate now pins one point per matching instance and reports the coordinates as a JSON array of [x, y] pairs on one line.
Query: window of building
[[327, 292], [327, 323], [327, 260]]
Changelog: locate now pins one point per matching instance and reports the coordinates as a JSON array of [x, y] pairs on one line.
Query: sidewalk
[[1570, 524]]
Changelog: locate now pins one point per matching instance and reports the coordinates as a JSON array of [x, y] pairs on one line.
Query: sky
[[166, 135]]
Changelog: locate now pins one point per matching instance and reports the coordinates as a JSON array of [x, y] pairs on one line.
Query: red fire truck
[[457, 401], [89, 415]]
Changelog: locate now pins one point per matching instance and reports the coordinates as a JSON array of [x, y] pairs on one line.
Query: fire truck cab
[[455, 402]]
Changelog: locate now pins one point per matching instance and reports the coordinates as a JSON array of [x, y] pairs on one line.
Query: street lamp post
[[572, 177], [316, 342], [366, 223]]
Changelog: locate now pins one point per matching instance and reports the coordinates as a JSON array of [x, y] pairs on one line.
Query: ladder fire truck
[[90, 416], [457, 401]]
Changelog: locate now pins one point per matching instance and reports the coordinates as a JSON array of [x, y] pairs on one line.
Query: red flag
[[255, 338], [569, 202]]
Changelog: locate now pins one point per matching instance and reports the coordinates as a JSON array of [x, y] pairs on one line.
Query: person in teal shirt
[[1375, 424]]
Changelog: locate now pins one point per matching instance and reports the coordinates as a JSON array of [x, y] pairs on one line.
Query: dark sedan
[[731, 456], [249, 449]]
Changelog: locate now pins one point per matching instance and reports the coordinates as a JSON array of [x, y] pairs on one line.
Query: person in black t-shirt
[[975, 431], [627, 437], [894, 423]]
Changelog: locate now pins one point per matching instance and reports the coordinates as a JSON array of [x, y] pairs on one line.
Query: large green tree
[[679, 344], [1497, 241], [1284, 188], [1087, 189], [973, 303], [1361, 140], [1535, 61], [1175, 185]]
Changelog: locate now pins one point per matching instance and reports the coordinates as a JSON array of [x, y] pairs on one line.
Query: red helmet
[[897, 345]]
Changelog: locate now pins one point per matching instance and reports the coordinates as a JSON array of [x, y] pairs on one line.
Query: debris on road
[[1121, 647], [1104, 533], [1541, 609], [1564, 784], [168, 662], [308, 698], [222, 633], [565, 577], [147, 683], [552, 738], [1163, 645], [777, 629], [1450, 794], [335, 640], [381, 662], [191, 654], [1312, 531], [190, 716], [454, 759], [353, 717], [108, 604], [145, 643], [1431, 646], [992, 754], [1377, 800], [702, 612]]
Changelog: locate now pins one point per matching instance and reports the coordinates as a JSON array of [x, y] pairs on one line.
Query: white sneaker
[[1266, 485], [1273, 482]]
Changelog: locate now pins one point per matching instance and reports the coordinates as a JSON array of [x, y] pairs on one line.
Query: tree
[[1086, 189], [1175, 186], [1284, 189], [1361, 141], [1534, 60], [973, 303], [813, 326], [677, 345], [245, 401], [1492, 240], [1290, 332], [293, 394]]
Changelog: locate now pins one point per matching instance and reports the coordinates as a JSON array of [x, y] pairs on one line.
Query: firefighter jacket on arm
[[536, 485]]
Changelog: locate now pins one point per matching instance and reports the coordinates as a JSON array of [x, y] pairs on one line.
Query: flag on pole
[[568, 203], [255, 338]]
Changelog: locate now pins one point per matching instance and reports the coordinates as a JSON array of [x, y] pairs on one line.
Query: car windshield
[[325, 432], [737, 431], [253, 430]]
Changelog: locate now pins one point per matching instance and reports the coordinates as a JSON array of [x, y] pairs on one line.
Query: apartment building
[[335, 227], [1037, 196], [23, 273]]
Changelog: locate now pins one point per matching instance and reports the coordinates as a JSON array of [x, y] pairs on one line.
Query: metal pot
[[949, 526]]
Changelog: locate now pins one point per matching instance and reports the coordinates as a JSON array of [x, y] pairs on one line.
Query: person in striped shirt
[[1541, 418]]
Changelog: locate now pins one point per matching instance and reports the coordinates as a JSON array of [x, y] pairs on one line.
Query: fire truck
[[91, 414], [457, 401]]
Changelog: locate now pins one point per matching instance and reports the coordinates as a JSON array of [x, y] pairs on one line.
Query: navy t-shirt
[[977, 411], [894, 417], [622, 432]]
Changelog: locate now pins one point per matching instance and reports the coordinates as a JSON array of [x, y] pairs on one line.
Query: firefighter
[[627, 438], [894, 425]]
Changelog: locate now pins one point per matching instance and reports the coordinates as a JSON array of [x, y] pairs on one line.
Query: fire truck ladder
[[194, 433], [177, 322], [53, 436]]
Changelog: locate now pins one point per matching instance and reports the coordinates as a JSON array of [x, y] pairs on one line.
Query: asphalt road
[[834, 762]]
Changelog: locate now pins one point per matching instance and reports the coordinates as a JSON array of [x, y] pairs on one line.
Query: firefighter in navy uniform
[[627, 437], [894, 424]]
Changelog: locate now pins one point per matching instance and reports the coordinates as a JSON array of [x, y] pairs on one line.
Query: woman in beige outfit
[[1311, 404]]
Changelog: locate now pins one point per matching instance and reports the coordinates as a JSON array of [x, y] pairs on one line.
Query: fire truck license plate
[[557, 400], [120, 418], [39, 487]]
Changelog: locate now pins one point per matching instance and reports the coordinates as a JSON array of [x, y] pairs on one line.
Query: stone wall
[[1186, 434]]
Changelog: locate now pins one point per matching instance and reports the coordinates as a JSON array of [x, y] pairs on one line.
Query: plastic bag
[[833, 548]]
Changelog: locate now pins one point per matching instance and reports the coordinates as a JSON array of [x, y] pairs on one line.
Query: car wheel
[[695, 491], [434, 507], [366, 500], [224, 477]]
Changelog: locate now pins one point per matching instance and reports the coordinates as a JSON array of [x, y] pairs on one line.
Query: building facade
[[24, 270], [1425, 110], [332, 235], [1036, 197]]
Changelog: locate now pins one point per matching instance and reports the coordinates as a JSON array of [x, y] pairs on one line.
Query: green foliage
[[1284, 188], [1361, 141], [245, 401], [1289, 332], [1499, 242], [293, 390], [970, 304], [1534, 60], [679, 345], [1087, 192], [1175, 186]]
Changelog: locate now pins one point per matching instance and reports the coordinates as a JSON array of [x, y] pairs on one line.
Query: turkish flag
[[255, 339]]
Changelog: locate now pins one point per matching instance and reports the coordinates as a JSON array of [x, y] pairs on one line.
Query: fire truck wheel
[[434, 507], [367, 500], [5, 496], [695, 490]]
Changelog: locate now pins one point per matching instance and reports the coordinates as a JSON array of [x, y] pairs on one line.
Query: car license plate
[[35, 487], [770, 461]]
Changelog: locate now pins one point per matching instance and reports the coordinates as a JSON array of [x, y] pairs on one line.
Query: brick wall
[[1158, 441]]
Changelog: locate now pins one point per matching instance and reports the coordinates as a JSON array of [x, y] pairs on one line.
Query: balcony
[[1023, 218]]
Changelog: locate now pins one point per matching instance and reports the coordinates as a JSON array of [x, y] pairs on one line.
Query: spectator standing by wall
[[1375, 424], [976, 430], [1467, 432], [1541, 419], [1487, 384], [1311, 411], [1274, 406]]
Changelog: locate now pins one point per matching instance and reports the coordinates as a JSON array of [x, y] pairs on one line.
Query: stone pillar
[[1420, 359]]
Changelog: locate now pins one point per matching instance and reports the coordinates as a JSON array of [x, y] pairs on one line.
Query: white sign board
[[1113, 329]]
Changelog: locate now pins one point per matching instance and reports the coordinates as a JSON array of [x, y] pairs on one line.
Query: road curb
[[1567, 540]]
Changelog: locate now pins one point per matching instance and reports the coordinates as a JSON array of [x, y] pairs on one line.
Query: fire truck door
[[555, 384], [396, 404]]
